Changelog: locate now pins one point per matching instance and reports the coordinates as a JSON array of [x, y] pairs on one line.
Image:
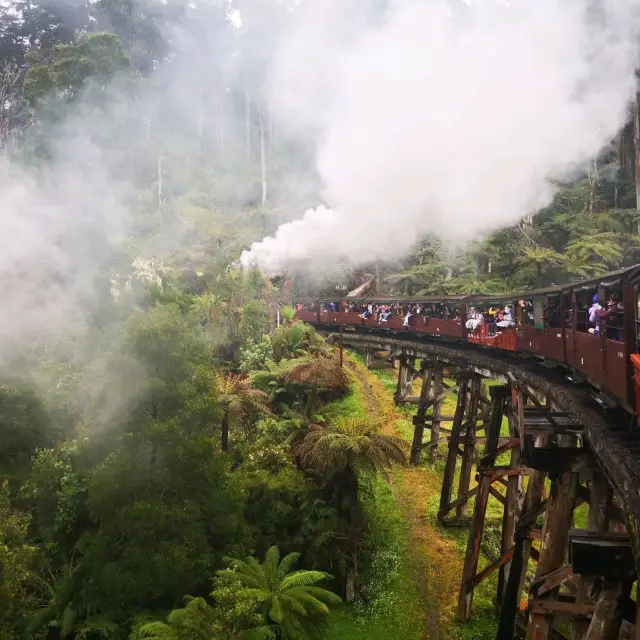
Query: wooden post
[[452, 455], [512, 507], [555, 537], [408, 382], [472, 556], [419, 419], [469, 445], [607, 617], [402, 378], [341, 347], [522, 551], [438, 388], [599, 505], [368, 357]]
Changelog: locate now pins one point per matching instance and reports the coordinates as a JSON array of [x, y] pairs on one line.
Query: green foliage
[[87, 66], [290, 602], [255, 354], [25, 427], [355, 448], [240, 403], [16, 559], [296, 340], [196, 621], [254, 323], [303, 383], [287, 314]]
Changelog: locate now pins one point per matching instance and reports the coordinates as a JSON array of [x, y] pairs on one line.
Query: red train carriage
[[435, 315], [491, 321], [589, 326], [539, 328], [600, 345]]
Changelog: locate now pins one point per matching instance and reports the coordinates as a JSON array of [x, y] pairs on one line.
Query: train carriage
[[489, 332], [540, 323], [436, 315], [557, 324]]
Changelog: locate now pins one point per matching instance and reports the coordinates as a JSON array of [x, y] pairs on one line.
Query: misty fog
[[444, 117]]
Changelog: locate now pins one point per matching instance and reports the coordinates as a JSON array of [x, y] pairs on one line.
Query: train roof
[[631, 274], [435, 298]]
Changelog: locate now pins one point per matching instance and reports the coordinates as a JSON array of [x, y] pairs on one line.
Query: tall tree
[[344, 456]]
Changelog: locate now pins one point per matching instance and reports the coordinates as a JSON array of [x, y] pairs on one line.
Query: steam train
[[550, 324]]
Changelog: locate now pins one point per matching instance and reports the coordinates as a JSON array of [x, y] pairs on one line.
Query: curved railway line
[[541, 446]]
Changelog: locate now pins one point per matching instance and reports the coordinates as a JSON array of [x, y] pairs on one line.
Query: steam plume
[[446, 117]]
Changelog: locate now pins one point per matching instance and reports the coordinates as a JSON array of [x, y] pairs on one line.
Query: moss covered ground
[[413, 578]]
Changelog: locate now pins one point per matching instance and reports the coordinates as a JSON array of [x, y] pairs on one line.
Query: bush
[[255, 354]]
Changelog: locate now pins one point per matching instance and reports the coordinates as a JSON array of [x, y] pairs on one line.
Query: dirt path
[[435, 560]]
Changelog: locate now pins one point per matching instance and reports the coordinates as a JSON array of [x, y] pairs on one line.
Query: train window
[[587, 301], [538, 313], [614, 322], [526, 312], [552, 312]]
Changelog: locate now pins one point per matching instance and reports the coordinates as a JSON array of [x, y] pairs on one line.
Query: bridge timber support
[[567, 545]]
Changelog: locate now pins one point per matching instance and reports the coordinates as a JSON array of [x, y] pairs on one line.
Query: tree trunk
[[263, 161], [247, 122], [160, 188], [221, 130], [225, 433], [350, 587], [350, 488]]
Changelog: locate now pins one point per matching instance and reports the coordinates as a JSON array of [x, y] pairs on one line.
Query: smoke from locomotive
[[448, 117]]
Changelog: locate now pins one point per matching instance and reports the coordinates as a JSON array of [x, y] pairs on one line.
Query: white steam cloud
[[445, 117]]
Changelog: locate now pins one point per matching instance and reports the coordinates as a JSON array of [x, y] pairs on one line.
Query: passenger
[[611, 315], [507, 318], [592, 315], [368, 312], [408, 317], [476, 318], [493, 312], [527, 311]]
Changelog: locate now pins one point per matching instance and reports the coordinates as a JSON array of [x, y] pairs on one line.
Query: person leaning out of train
[[610, 315], [411, 312]]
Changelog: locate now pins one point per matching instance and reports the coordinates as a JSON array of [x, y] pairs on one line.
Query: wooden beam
[[607, 617], [419, 419], [549, 608], [474, 541], [469, 445], [599, 498], [551, 580], [437, 410], [494, 566], [514, 501], [555, 537], [450, 465]]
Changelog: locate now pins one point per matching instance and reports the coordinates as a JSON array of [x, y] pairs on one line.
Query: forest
[[180, 458]]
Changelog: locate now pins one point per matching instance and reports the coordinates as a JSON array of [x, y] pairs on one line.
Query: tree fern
[[291, 602]]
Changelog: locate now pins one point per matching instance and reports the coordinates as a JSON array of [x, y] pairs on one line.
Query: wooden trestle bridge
[[559, 451]]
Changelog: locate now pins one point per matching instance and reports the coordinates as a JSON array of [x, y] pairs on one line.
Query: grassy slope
[[393, 602], [429, 556]]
